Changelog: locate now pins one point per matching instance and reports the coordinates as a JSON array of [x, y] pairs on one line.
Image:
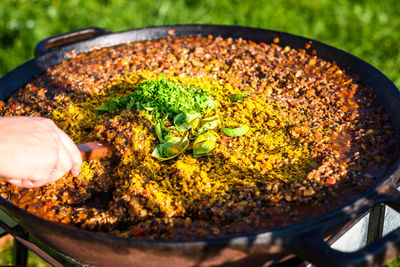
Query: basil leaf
[[204, 144], [192, 117], [212, 118], [209, 123], [183, 127], [211, 104], [168, 136], [180, 118], [237, 97], [159, 131], [239, 131], [184, 121], [157, 154], [171, 148]]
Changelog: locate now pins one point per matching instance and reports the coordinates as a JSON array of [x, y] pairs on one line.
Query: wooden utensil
[[94, 150]]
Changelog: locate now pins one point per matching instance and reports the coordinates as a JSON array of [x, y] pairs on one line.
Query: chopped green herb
[[165, 97]]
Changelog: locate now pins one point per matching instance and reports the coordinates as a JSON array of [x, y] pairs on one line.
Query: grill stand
[[22, 244], [378, 221], [20, 252]]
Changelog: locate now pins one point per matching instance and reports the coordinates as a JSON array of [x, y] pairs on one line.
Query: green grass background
[[369, 29]]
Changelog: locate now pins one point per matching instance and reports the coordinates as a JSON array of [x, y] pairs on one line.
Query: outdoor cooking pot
[[305, 239]]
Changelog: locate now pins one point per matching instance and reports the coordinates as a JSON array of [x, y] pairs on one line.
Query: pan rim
[[389, 179]]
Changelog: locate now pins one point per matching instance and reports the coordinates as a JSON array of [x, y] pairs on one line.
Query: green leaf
[[147, 106], [239, 131], [212, 118], [180, 118], [204, 144], [110, 105], [157, 154], [168, 136], [171, 148], [183, 127], [103, 108], [210, 103], [159, 131], [184, 121], [237, 97], [209, 123]]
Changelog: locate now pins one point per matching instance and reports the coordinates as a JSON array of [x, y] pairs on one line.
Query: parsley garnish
[[163, 99], [167, 102]]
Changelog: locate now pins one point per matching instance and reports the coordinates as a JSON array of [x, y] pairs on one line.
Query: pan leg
[[20, 252]]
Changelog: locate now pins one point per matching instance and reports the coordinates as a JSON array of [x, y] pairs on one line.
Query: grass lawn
[[369, 29]]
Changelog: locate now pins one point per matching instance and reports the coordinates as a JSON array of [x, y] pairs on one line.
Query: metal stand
[[22, 244], [373, 221], [376, 221], [20, 252]]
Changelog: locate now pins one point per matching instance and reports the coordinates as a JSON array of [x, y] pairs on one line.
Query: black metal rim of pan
[[306, 239]]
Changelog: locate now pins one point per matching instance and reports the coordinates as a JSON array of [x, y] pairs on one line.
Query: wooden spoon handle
[[94, 150]]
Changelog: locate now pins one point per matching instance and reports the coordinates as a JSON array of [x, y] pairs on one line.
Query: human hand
[[34, 151]]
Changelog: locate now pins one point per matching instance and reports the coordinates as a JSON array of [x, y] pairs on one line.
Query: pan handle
[[45, 45], [311, 245]]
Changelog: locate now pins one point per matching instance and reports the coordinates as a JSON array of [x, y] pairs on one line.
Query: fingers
[[43, 153], [72, 149], [27, 183], [63, 163], [68, 157], [22, 183], [37, 183]]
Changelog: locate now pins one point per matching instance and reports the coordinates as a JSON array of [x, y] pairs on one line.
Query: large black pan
[[305, 239]]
